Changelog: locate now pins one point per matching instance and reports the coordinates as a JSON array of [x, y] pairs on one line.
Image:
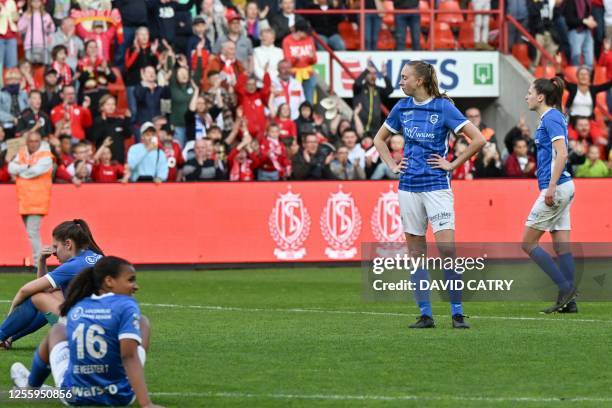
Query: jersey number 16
[[87, 340]]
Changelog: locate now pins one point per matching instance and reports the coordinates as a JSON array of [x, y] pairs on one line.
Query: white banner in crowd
[[461, 73]]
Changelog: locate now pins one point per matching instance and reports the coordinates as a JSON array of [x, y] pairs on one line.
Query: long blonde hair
[[427, 71]]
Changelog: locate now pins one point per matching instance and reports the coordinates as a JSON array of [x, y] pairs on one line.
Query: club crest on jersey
[[386, 221], [289, 225], [92, 259], [340, 225], [78, 312], [433, 119]]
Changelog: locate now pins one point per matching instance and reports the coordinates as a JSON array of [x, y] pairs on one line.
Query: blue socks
[[18, 320], [566, 264], [40, 371], [39, 321], [421, 296], [454, 295], [546, 263]]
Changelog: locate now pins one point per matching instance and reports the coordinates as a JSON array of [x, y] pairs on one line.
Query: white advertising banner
[[462, 74]]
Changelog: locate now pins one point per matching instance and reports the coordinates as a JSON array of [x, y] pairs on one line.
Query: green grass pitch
[[304, 337]]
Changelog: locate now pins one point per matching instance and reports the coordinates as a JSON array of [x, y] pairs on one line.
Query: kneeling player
[[97, 351]]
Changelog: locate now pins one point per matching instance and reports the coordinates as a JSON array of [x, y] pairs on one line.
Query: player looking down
[[98, 349], [551, 211], [38, 301], [426, 119]]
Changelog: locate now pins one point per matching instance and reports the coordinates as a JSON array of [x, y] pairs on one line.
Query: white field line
[[333, 397], [213, 308], [351, 312]]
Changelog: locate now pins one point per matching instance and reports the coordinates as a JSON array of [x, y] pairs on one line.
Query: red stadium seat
[[425, 16], [547, 71], [389, 19], [466, 35], [443, 37], [385, 40], [521, 53], [601, 75], [454, 19], [409, 42], [570, 74], [349, 35]]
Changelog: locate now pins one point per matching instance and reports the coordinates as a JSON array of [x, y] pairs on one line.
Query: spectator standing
[[253, 103], [373, 23], [198, 36], [266, 57], [36, 26], [51, 91], [165, 21], [105, 170], [370, 96], [13, 100], [141, 54], [243, 161], [274, 164], [133, 15], [283, 22], [580, 22], [466, 170], [9, 15], [255, 21], [33, 167], [148, 95], [582, 95], [181, 92], [66, 36], [299, 49], [79, 117], [288, 128], [356, 152], [286, 89], [407, 21], [226, 64], [173, 153], [540, 25], [326, 25], [481, 25], [34, 115], [520, 163], [110, 125], [242, 43], [518, 10], [145, 160]]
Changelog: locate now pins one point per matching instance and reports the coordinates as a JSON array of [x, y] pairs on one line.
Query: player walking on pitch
[[426, 119], [551, 211]]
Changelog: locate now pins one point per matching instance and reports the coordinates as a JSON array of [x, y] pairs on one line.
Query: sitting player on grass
[[97, 351], [39, 300]]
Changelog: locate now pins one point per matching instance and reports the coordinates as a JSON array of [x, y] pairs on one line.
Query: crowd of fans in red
[[147, 90]]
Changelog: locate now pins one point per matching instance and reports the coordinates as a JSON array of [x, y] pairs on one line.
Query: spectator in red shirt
[[243, 161], [106, 170], [253, 102], [520, 163], [273, 155], [79, 117], [300, 50], [173, 153], [226, 64], [59, 55], [65, 149], [582, 130], [282, 117]]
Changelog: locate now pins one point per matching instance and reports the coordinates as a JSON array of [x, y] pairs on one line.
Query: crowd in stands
[[164, 91]]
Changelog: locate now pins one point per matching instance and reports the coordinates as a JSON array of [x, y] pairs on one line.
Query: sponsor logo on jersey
[[289, 225], [413, 133], [340, 225]]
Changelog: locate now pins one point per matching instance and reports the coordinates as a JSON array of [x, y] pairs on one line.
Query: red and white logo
[[289, 226], [340, 225], [354, 65], [386, 219]]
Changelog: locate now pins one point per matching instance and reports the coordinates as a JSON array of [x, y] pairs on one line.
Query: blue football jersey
[[61, 276], [552, 126], [426, 127], [94, 328]]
